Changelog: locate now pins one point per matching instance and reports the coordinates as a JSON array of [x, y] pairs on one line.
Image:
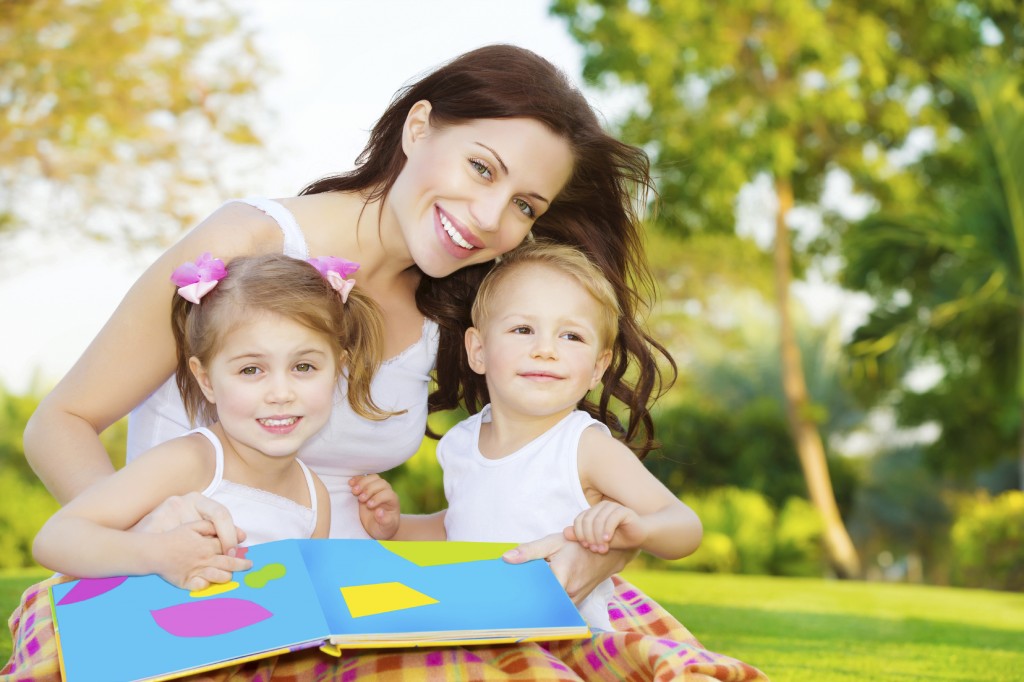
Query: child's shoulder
[[192, 453]]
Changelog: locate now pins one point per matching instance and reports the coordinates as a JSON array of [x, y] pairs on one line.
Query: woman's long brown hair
[[596, 212]]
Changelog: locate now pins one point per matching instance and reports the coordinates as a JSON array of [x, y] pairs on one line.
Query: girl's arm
[[130, 357], [89, 537], [637, 511]]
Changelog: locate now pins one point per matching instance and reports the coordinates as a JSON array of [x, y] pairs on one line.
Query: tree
[[731, 91], [950, 274], [121, 117]]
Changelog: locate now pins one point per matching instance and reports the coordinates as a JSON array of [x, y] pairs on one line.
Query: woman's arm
[[578, 569], [129, 358], [90, 536]]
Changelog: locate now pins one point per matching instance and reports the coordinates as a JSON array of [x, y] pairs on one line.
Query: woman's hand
[[379, 509], [181, 510], [578, 569], [189, 557]]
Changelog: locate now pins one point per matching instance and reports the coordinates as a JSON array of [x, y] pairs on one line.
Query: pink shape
[[87, 588], [209, 617], [240, 552]]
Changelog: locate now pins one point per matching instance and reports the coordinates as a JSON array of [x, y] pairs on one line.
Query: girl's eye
[[304, 367], [481, 168], [525, 208], [250, 371]]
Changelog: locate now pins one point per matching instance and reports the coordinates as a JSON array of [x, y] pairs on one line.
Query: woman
[[462, 166]]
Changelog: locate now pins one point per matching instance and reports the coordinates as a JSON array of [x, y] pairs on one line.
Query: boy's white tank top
[[533, 492], [349, 445]]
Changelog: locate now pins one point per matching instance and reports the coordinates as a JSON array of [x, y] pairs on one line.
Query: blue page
[[485, 595], [144, 627]]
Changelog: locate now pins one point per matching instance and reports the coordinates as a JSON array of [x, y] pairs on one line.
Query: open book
[[334, 594]]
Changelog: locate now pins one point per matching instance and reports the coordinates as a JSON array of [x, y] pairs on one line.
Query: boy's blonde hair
[[564, 259], [293, 289]]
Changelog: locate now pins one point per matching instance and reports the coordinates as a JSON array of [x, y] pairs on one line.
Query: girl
[[532, 462], [260, 346], [461, 166]]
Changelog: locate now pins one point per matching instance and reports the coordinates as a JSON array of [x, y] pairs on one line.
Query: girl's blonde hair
[[564, 259], [293, 289]]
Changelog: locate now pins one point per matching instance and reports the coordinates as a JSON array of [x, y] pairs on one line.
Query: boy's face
[[272, 382], [540, 346]]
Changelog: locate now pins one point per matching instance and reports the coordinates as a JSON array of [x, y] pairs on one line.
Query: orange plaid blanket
[[648, 644]]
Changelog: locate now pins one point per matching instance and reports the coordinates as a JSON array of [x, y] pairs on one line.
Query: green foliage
[[988, 542], [25, 505], [947, 275], [901, 508], [744, 534], [124, 113]]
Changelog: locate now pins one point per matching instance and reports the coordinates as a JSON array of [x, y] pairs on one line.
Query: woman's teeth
[[453, 233]]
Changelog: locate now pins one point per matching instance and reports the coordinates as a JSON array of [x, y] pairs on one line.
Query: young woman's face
[[272, 382], [541, 347], [470, 192]]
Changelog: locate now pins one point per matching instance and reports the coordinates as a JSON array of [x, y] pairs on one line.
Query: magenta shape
[[87, 588], [209, 617]]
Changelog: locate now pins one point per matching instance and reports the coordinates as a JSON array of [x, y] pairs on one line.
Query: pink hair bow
[[195, 280], [335, 271]]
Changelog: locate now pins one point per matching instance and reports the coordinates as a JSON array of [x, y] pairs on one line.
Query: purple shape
[[209, 617], [87, 588]]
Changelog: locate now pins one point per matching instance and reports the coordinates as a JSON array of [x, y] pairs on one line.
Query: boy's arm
[[638, 512], [422, 527], [89, 537]]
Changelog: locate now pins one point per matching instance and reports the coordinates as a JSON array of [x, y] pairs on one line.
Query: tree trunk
[[809, 447]]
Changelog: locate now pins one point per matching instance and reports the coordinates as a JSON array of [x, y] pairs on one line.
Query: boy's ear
[[202, 378], [475, 350], [417, 125], [600, 367]]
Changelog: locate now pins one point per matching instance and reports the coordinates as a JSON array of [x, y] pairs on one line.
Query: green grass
[[797, 630], [829, 631]]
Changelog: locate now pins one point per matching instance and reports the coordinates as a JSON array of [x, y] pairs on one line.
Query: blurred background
[[838, 240]]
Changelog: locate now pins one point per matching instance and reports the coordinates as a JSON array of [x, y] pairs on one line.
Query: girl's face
[[470, 192], [540, 346], [272, 382]]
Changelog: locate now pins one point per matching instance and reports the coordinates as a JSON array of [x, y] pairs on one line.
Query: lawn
[[799, 630]]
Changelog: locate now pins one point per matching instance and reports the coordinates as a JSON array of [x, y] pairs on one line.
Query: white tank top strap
[[294, 241], [309, 482], [218, 450]]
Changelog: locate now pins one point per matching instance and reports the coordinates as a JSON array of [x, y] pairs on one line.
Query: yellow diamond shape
[[369, 600]]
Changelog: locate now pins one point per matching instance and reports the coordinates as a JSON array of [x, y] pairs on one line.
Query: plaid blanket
[[648, 644]]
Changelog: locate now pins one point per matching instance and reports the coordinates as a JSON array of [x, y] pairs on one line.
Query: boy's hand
[[379, 508], [607, 525]]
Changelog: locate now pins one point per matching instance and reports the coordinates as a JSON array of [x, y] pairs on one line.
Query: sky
[[338, 63]]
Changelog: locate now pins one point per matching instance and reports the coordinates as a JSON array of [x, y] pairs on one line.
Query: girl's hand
[[578, 569], [189, 556], [379, 508], [606, 524]]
